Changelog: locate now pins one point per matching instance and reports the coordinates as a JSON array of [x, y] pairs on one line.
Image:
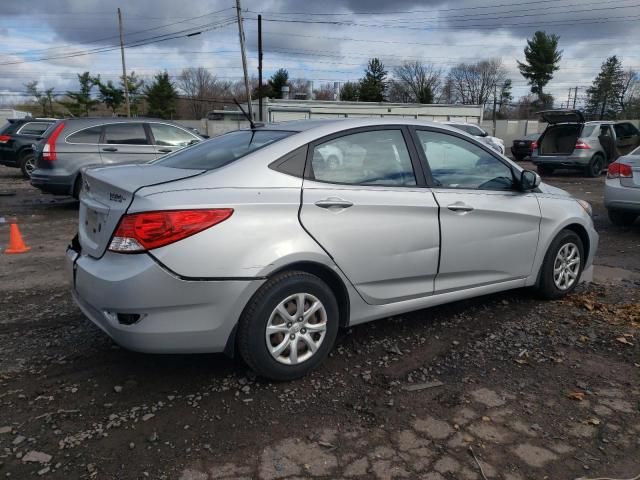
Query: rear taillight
[[534, 146], [49, 149], [582, 145], [4, 138], [619, 170], [139, 232]]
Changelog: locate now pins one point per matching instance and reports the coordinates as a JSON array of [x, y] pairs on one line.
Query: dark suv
[[16, 142], [72, 144]]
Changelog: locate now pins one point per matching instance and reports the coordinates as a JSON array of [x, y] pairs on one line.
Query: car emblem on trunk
[[116, 197]]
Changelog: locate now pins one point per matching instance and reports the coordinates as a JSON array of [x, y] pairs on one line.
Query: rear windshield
[[5, 128], [222, 150]]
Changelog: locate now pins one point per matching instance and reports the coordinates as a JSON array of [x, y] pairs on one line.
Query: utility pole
[[575, 96], [244, 58], [495, 101], [260, 67], [569, 97], [124, 68]]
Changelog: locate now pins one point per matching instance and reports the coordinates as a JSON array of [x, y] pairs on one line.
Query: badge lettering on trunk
[[116, 197]]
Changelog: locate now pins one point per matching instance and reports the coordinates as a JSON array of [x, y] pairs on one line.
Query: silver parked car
[[622, 189], [253, 241], [570, 142], [75, 143], [480, 133]]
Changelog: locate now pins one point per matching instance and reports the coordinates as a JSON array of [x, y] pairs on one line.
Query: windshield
[[222, 150]]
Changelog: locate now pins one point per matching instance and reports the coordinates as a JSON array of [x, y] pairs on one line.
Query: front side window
[[88, 135], [125, 134], [378, 157], [33, 128], [170, 136], [222, 150], [458, 163]]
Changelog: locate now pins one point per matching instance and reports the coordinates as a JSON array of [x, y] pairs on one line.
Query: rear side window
[[125, 134], [88, 135], [33, 128], [587, 130], [222, 150], [170, 136], [378, 157]]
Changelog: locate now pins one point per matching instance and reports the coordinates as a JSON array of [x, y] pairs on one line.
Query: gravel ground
[[503, 386]]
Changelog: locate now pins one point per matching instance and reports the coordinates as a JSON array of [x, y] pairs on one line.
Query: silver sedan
[[622, 189], [252, 242]]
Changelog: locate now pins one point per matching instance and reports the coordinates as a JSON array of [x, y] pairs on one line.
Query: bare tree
[[629, 89], [198, 85], [474, 83], [421, 81], [298, 86], [325, 92]]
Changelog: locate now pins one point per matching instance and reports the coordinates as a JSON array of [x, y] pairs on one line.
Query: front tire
[[27, 164], [594, 169], [621, 218], [562, 266], [289, 326]]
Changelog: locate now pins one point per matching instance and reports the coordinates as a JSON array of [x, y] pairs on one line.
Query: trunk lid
[[561, 116], [107, 193]]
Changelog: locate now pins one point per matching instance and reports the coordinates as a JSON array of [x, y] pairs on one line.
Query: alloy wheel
[[566, 266], [296, 329]]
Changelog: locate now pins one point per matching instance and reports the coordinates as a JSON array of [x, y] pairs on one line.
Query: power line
[[136, 43], [137, 32]]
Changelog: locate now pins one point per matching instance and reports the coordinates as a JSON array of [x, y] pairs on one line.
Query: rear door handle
[[110, 149], [460, 207], [334, 202], [165, 150]]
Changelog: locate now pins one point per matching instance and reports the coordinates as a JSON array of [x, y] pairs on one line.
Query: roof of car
[[340, 124]]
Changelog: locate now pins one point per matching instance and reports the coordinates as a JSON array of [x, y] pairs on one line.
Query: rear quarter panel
[[262, 235]]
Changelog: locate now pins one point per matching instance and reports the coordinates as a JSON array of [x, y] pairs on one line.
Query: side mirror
[[484, 134], [529, 180]]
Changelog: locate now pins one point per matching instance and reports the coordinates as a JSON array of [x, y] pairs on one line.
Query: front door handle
[[460, 207], [110, 149], [334, 202], [165, 150]]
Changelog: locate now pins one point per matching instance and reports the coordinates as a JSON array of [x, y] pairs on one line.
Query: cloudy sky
[[322, 41]]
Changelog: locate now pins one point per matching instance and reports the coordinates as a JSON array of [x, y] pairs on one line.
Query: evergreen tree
[[278, 80], [81, 102], [541, 61], [350, 92], [161, 96], [604, 94], [110, 95], [373, 87]]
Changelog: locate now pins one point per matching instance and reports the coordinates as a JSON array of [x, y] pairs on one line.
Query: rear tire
[[621, 217], [544, 170], [562, 266], [27, 164], [273, 326], [595, 167], [518, 158]]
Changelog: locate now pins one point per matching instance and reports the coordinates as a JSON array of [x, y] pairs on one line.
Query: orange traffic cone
[[16, 244]]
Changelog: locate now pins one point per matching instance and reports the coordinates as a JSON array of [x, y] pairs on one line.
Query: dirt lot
[[519, 388]]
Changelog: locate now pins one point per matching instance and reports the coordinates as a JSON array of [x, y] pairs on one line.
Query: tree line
[[615, 92]]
